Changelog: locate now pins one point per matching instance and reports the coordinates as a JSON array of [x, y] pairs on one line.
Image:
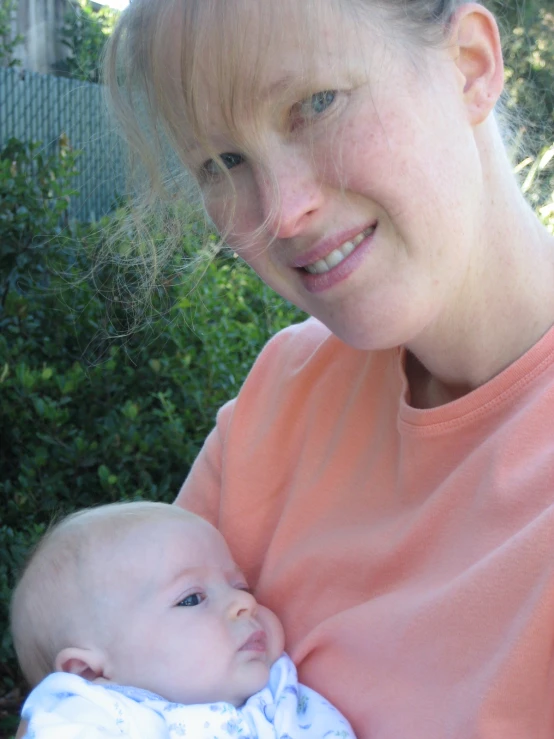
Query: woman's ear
[[89, 664], [477, 52]]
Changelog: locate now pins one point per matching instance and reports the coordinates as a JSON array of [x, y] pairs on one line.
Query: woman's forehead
[[233, 57]]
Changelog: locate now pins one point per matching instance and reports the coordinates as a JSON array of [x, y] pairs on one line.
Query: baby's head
[[143, 594]]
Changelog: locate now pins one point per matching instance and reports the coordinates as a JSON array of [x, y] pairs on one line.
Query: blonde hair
[[145, 95], [45, 614], [161, 101]]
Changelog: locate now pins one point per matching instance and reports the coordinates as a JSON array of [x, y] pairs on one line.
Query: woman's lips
[[334, 258], [256, 642], [328, 278]]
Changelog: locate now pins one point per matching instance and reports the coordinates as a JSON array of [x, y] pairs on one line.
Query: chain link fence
[[38, 107]]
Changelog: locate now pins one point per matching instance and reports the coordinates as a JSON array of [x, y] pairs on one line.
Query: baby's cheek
[[274, 631]]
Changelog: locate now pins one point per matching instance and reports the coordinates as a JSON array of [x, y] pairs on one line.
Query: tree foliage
[[529, 64], [8, 42], [85, 31]]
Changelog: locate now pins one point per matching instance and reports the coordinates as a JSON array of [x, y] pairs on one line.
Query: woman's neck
[[505, 306]]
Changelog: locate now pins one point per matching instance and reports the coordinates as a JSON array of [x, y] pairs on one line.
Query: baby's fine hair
[[45, 613]]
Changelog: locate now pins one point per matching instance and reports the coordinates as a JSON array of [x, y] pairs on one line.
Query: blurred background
[[104, 394]]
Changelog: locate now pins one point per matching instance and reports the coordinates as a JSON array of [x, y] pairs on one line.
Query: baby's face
[[187, 628]]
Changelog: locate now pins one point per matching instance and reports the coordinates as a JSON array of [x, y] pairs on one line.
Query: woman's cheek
[[234, 213]]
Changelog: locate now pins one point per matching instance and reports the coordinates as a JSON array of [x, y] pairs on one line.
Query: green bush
[[35, 188], [529, 65], [89, 414]]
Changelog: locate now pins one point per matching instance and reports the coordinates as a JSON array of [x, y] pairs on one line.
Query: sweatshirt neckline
[[500, 389]]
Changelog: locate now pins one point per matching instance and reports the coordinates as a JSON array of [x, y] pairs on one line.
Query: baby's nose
[[243, 603]]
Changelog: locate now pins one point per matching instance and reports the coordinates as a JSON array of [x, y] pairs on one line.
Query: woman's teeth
[[337, 255]]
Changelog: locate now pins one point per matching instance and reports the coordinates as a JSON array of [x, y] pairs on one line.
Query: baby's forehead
[[129, 537], [167, 543], [160, 558]]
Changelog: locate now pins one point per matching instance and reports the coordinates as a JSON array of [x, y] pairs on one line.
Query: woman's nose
[[290, 194]]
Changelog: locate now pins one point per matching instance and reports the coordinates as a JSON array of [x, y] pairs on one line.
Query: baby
[[133, 620]]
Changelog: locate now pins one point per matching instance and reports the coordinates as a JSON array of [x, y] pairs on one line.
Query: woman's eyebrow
[[279, 85]]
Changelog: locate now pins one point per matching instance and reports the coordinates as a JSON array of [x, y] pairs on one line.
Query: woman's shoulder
[[298, 341], [309, 355], [305, 383], [302, 349]]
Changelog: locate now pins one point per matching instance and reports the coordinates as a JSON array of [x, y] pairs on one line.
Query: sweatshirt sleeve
[[201, 491], [250, 417]]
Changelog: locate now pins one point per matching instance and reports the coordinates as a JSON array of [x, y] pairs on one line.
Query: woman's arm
[[201, 491]]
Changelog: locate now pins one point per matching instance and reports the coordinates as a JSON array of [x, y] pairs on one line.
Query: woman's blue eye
[[232, 160], [211, 168], [313, 106], [191, 600], [322, 100]]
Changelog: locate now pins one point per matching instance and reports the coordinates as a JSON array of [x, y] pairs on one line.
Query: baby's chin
[[251, 683]]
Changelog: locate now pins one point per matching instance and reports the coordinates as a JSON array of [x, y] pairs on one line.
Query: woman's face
[[358, 199]]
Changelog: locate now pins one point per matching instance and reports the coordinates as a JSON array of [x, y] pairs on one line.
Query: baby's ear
[[89, 664]]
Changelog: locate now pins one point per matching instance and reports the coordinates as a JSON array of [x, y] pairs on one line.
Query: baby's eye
[[314, 106], [192, 600], [211, 168]]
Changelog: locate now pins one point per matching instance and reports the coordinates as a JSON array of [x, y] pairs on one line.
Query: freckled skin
[[393, 137], [409, 144]]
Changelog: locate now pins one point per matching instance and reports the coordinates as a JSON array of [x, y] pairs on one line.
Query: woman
[[385, 476]]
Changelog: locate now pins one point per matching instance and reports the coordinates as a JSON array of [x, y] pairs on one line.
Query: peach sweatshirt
[[409, 553]]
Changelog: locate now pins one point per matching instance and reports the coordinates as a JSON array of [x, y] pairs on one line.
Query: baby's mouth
[[256, 642], [339, 254]]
